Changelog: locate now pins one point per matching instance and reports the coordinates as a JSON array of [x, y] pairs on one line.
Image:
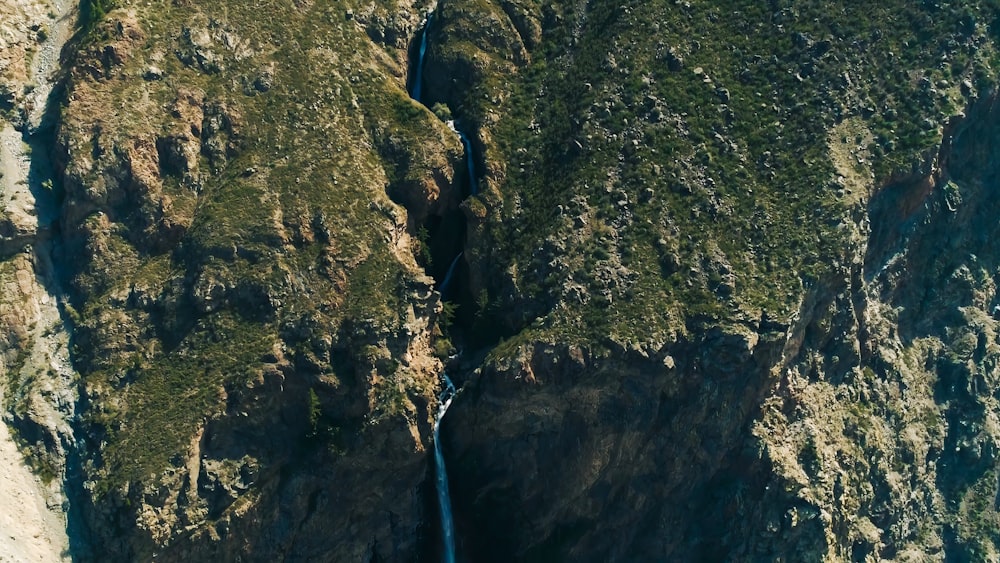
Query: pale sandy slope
[[29, 530]]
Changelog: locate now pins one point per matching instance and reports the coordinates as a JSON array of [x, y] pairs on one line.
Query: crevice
[[37, 184], [443, 234], [443, 239], [45, 183]]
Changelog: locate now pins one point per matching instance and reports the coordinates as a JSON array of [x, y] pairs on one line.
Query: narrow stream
[[446, 284], [470, 164], [444, 498], [418, 72], [448, 391]]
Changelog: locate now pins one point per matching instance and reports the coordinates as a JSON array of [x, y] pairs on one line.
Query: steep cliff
[[744, 262], [254, 336], [726, 289]]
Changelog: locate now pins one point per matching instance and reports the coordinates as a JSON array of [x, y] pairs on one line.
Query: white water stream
[[448, 391], [418, 72], [444, 497]]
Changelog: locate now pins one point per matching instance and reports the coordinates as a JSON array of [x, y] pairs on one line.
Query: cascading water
[[470, 164], [416, 92], [444, 498], [446, 284], [418, 72], [448, 392]]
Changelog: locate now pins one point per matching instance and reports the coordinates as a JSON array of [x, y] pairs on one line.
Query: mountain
[[717, 280]]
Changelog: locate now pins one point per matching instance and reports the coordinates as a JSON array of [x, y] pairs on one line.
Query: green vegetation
[[161, 399], [315, 413], [277, 234], [93, 11], [692, 141], [979, 522], [448, 310]]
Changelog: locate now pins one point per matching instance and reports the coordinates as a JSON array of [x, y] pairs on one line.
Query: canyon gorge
[[499, 280]]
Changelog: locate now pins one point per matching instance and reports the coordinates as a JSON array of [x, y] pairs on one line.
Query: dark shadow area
[[50, 255], [446, 238]]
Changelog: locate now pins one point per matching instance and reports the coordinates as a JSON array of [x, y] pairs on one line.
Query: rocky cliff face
[[254, 335], [727, 290], [862, 429], [849, 416]]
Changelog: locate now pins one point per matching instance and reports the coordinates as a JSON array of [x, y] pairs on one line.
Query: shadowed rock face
[[558, 446]]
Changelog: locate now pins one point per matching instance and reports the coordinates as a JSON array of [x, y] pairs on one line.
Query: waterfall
[[418, 76], [444, 498], [448, 392], [416, 92], [470, 163], [443, 288]]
